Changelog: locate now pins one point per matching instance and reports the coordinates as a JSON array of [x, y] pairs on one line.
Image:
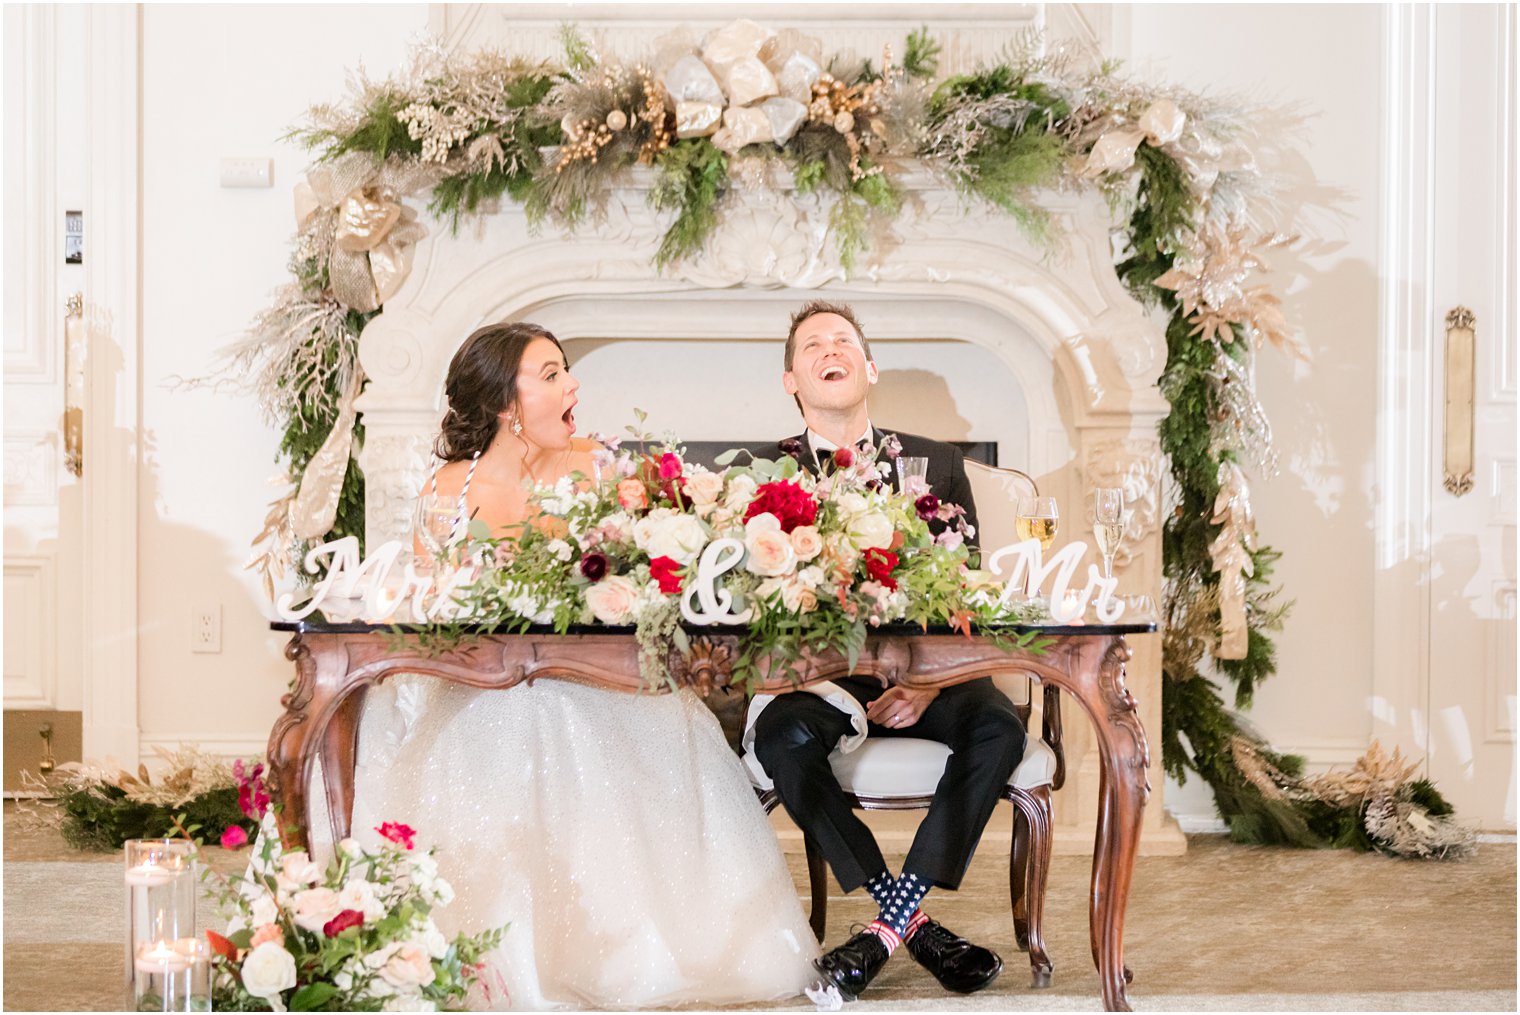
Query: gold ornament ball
[[844, 122], [617, 120]]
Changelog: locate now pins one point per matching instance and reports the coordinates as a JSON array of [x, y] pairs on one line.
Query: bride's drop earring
[[516, 426]]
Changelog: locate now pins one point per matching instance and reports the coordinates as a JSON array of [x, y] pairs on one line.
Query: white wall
[[221, 81], [231, 80], [1326, 61]]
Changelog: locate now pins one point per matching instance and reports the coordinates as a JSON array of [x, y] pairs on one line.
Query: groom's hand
[[900, 707]]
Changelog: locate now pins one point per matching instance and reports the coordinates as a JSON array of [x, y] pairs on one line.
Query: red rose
[[344, 920], [670, 466], [790, 503], [663, 570], [843, 458], [879, 565], [405, 836]]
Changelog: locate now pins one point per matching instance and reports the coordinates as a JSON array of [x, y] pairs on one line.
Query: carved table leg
[[295, 738], [1123, 791], [340, 745]]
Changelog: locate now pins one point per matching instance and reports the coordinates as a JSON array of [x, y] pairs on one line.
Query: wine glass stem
[[1108, 565]]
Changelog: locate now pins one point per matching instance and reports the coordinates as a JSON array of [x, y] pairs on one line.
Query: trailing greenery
[[693, 177], [102, 817]]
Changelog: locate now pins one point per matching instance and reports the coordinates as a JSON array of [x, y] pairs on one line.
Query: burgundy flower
[[594, 566], [927, 506], [663, 570], [843, 458], [790, 503], [405, 836], [670, 466], [879, 565], [344, 920]]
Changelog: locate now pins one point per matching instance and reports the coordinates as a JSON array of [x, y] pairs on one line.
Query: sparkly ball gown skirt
[[616, 836]]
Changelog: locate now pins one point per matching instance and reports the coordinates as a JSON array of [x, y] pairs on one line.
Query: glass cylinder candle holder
[[160, 882]]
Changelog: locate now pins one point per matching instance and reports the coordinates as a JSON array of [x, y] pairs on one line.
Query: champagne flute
[[433, 525], [1108, 524], [1038, 518], [913, 475]]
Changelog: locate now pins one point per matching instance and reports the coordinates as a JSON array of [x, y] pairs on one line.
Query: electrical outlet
[[206, 628], [247, 172]]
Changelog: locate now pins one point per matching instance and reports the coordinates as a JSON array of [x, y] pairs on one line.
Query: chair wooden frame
[[1029, 856]]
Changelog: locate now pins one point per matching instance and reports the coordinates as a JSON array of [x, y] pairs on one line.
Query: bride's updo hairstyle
[[482, 384]]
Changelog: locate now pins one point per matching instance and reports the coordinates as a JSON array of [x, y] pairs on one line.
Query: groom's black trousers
[[795, 734]]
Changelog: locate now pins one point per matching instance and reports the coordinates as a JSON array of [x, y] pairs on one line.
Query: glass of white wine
[[1108, 524], [433, 524], [1038, 518]]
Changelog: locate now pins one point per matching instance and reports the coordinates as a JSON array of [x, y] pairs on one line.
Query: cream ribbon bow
[[1114, 152]]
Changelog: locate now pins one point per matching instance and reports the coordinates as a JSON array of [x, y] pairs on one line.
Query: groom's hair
[[813, 308]]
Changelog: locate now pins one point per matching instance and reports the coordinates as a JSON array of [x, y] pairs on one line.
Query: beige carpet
[[1223, 928]]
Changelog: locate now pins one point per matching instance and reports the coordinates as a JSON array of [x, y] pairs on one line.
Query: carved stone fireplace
[[1079, 357]]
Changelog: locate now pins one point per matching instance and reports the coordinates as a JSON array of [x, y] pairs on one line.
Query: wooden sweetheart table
[[336, 663]]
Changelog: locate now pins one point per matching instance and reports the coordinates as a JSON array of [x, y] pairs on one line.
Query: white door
[[1470, 720], [44, 102]]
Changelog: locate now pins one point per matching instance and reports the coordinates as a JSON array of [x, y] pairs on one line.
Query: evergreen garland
[[1000, 134]]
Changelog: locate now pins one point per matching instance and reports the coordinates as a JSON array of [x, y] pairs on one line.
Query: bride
[[616, 835]]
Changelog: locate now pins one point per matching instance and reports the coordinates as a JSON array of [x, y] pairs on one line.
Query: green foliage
[[1009, 167], [578, 54], [101, 817], [850, 218], [921, 55], [380, 132], [1163, 216], [693, 177]]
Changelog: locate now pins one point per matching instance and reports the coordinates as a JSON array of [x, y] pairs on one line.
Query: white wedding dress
[[616, 835]]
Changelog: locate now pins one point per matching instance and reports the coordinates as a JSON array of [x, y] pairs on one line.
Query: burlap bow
[[373, 233]]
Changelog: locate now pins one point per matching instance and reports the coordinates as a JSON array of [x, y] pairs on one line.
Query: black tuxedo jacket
[[947, 468]]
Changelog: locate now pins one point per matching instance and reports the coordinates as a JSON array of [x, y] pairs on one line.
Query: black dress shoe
[[853, 965], [956, 963]]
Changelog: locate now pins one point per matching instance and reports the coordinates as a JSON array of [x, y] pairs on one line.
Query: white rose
[[873, 528], [798, 597], [807, 542], [360, 895], [269, 969], [433, 940], [704, 487], [299, 869], [668, 533], [263, 909], [410, 1002], [770, 550], [350, 848], [443, 892], [741, 490], [613, 599], [560, 549], [314, 907], [408, 966], [852, 503]]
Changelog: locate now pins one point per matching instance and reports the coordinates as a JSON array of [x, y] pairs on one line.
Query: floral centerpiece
[[357, 935], [819, 559]]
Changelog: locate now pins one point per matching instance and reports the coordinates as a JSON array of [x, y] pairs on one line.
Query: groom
[[828, 371]]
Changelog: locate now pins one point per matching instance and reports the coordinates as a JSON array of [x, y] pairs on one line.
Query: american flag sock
[[902, 908], [880, 888]]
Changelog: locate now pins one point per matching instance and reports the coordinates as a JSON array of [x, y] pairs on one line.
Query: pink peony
[[234, 837]]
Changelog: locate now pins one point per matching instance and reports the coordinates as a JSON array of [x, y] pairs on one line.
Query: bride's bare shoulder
[[449, 478]]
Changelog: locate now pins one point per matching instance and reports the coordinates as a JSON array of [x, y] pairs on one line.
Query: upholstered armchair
[[901, 773]]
